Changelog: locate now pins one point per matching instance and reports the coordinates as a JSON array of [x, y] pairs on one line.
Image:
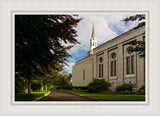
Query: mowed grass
[[25, 97], [109, 96]]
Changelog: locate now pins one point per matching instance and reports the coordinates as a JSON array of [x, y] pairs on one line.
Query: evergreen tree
[[38, 43]]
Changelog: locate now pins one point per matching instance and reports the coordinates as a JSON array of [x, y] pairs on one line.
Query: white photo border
[[150, 109]]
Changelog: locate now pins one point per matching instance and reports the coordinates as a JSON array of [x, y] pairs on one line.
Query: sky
[[107, 26]]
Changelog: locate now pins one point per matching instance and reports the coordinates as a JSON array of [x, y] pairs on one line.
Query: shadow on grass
[[25, 97], [110, 96]]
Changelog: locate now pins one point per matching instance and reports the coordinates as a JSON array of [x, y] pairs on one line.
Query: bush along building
[[113, 61]]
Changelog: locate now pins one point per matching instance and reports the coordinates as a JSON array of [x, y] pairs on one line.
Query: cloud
[[115, 20], [69, 67], [84, 30], [107, 26]]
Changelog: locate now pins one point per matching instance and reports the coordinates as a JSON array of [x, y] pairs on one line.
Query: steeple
[[93, 33], [93, 41]]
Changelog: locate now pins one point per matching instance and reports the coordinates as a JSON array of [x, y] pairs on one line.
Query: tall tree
[[38, 43], [139, 45]]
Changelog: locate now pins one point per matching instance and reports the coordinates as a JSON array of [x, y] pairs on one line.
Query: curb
[[42, 96]]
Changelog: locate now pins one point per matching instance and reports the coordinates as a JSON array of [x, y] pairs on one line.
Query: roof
[[127, 32], [118, 36]]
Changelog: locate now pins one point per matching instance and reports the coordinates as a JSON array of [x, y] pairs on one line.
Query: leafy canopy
[[38, 42]]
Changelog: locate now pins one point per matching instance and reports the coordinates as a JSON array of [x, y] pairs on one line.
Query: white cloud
[[69, 67], [103, 29], [107, 26], [116, 20]]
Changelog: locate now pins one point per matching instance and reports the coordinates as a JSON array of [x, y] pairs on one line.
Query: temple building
[[112, 61]]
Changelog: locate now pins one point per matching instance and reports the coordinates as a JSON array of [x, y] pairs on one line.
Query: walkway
[[60, 95]]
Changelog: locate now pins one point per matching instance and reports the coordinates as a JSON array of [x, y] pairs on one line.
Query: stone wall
[[119, 46]]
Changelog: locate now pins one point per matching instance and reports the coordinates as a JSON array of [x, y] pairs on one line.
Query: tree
[[62, 79], [44, 81], [38, 43], [139, 45]]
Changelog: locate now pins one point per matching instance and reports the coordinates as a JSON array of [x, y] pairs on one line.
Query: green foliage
[[139, 17], [62, 79], [125, 87], [20, 84], [55, 80], [38, 43], [23, 96], [139, 46], [109, 96], [35, 86], [79, 88], [142, 89], [66, 87], [98, 85], [51, 87]]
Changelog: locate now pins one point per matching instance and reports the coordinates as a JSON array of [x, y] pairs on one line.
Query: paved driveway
[[59, 95]]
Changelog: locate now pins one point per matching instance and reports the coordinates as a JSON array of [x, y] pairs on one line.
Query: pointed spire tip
[[93, 33]]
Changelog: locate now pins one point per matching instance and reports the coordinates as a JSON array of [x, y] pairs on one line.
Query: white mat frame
[[9, 107]]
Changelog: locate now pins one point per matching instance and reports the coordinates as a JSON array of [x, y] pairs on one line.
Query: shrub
[[98, 85], [79, 88], [35, 86], [142, 89], [125, 87], [67, 87]]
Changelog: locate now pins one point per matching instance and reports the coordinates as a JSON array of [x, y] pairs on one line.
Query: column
[[106, 66], [95, 66], [120, 64]]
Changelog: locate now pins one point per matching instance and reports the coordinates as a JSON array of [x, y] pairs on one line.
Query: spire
[[93, 33], [93, 41]]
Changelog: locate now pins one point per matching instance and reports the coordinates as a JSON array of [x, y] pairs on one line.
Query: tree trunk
[[42, 86], [46, 87], [29, 87]]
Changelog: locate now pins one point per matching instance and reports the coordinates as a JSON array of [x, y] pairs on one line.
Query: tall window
[[83, 74], [130, 61], [100, 70], [113, 64], [100, 67]]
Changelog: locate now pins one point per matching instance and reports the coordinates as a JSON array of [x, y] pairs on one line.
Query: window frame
[[83, 74], [100, 66], [130, 59], [113, 63]]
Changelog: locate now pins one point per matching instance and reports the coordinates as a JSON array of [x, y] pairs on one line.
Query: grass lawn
[[110, 97], [25, 97]]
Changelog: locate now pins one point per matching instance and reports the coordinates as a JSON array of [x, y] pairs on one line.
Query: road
[[60, 95]]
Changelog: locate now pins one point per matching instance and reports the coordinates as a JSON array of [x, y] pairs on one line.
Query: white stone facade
[[113, 62]]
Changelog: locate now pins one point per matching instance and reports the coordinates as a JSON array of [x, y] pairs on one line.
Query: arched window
[[100, 67], [130, 61], [113, 64]]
